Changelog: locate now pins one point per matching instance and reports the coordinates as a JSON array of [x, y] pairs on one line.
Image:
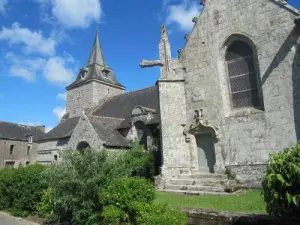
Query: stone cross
[[165, 60]]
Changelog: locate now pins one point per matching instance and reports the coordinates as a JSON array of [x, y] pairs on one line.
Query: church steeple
[[96, 55]]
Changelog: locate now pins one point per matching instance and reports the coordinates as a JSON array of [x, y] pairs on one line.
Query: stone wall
[[19, 154], [49, 150], [176, 157], [249, 172], [88, 96], [205, 217], [84, 132], [246, 136]]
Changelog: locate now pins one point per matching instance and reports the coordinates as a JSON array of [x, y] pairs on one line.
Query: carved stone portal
[[198, 126]]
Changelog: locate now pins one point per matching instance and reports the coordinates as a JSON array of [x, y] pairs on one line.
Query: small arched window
[[240, 59]]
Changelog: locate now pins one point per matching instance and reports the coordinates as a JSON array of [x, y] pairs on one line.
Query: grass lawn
[[250, 202]]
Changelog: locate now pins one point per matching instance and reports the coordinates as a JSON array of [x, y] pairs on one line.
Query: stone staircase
[[198, 183]]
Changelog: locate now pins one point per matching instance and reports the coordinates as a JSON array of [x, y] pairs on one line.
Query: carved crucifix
[[165, 55]]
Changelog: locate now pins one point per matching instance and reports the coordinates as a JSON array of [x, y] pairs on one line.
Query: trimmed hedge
[[21, 189]]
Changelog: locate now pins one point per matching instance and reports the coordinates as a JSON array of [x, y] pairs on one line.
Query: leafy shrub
[[229, 173], [282, 184], [21, 189], [158, 214], [45, 206], [7, 184], [81, 176], [112, 215], [122, 192]]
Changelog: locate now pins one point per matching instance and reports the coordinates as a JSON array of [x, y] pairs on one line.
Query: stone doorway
[[206, 152], [83, 146]]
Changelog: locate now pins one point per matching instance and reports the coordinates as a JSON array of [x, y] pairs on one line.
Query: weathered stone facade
[[229, 100], [240, 136], [88, 96], [14, 153]]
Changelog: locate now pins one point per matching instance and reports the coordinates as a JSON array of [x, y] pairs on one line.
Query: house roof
[[21, 132], [106, 130], [62, 130], [121, 106]]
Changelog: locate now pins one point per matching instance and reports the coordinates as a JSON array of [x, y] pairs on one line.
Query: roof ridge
[[107, 117], [137, 90], [20, 124], [287, 6]]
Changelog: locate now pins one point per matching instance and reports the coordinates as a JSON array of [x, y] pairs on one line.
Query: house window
[[28, 149], [55, 157], [11, 149], [9, 164], [240, 59], [27, 163]]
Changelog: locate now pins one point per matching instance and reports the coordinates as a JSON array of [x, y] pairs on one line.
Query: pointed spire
[[96, 55]]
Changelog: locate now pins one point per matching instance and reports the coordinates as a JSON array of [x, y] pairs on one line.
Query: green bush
[[122, 192], [282, 184], [81, 176], [158, 214], [7, 185], [21, 189], [113, 215]]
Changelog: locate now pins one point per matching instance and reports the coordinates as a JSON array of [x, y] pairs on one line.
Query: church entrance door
[[206, 152]]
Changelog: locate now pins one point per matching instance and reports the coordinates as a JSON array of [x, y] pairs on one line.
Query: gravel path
[[6, 219]]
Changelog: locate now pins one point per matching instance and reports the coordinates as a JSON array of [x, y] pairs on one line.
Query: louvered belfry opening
[[242, 75]]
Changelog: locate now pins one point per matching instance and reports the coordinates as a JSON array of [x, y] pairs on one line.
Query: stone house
[[230, 99], [18, 144]]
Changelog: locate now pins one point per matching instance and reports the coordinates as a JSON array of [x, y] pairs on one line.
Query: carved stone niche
[[198, 125]]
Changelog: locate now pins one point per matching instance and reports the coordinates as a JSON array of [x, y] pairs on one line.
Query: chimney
[[41, 128]]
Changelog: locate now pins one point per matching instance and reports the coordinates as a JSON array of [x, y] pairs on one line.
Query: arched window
[[240, 59], [141, 130], [83, 146]]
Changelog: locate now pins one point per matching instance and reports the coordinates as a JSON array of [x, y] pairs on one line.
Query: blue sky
[[44, 43]]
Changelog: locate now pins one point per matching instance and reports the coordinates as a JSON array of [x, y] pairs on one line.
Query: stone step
[[194, 188], [188, 192], [200, 176], [198, 182]]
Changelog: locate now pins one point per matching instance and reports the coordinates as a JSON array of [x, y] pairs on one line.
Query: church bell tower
[[95, 83]]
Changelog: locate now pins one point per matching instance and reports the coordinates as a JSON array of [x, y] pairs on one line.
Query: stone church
[[230, 99]]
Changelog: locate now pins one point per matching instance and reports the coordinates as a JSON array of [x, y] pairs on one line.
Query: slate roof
[[62, 130], [15, 131], [106, 130], [121, 106], [96, 68]]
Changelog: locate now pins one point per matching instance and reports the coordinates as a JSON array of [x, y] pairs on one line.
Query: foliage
[[158, 214], [249, 202], [113, 215], [45, 206], [282, 184], [229, 173], [21, 189], [122, 192], [81, 176]]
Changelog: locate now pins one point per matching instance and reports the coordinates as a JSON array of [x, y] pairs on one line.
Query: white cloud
[[24, 67], [32, 41], [182, 14], [55, 71], [22, 72], [59, 112], [3, 4], [62, 96], [71, 14]]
